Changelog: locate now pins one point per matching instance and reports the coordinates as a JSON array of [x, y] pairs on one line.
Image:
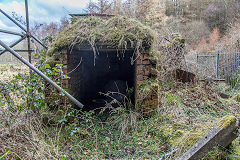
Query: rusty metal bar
[[11, 32], [12, 45], [75, 101]]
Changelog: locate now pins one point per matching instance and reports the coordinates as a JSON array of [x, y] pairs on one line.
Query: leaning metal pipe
[[41, 74], [20, 26], [12, 45]]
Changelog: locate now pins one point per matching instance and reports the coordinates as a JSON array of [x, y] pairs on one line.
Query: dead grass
[[24, 135], [8, 71]]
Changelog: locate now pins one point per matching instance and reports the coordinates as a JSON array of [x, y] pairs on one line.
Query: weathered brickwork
[[146, 73], [146, 92]]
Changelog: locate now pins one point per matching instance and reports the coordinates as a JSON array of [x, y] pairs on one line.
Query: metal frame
[[28, 35]]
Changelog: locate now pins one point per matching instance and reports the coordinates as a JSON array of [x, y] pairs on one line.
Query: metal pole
[[28, 34], [20, 50], [14, 44], [20, 26], [10, 32], [217, 61], [28, 47], [75, 101]]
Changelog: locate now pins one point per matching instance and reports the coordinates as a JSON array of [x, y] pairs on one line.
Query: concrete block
[[221, 135]]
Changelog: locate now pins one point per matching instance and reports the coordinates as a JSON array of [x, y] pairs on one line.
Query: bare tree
[[48, 32], [101, 6], [129, 8]]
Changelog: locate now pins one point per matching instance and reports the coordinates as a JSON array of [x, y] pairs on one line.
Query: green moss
[[117, 32], [231, 153], [226, 121], [234, 153], [214, 154], [185, 138], [237, 98], [192, 139], [171, 99], [189, 140]]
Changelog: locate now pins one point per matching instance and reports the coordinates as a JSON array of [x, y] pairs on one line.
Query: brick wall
[[146, 73], [146, 91]]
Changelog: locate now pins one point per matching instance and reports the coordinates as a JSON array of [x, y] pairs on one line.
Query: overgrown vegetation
[[30, 129], [186, 113], [116, 32], [123, 134]]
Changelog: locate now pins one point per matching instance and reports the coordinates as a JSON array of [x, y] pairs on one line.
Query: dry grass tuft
[[24, 135]]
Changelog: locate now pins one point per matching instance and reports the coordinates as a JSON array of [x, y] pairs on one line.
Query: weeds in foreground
[[116, 134]]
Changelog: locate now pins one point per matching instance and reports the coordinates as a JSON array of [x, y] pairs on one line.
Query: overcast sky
[[41, 11]]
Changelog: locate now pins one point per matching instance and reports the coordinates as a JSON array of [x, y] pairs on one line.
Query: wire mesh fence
[[218, 65]]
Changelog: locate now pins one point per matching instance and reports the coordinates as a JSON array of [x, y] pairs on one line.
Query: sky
[[41, 11]]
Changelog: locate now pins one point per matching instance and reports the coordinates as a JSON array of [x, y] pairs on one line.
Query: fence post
[[217, 62]]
